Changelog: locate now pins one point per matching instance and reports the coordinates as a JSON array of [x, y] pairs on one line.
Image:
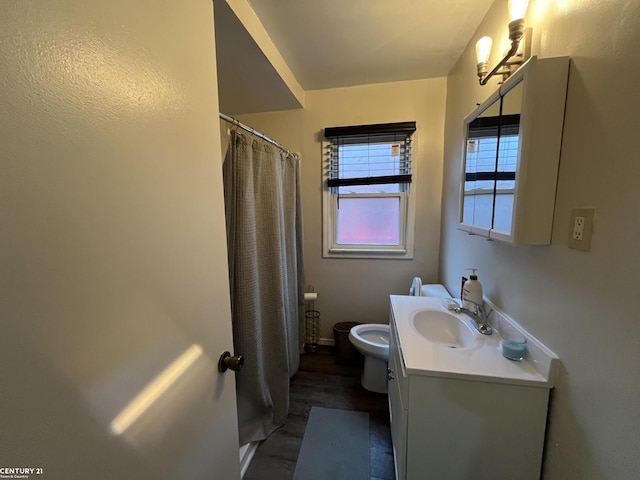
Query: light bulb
[[517, 9], [483, 49]]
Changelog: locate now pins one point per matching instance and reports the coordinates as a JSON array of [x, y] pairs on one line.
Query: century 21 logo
[[19, 472]]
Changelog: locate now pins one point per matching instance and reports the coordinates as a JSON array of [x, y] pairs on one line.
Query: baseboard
[[323, 342]]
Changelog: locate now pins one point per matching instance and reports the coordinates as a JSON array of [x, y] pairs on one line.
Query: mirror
[[491, 160], [481, 152], [508, 154]]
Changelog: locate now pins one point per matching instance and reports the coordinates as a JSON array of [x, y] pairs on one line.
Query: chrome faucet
[[479, 315]]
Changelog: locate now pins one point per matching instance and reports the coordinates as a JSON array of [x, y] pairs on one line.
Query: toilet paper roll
[[416, 287], [310, 297]]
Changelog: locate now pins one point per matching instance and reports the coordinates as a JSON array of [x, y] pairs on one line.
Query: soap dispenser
[[472, 291]]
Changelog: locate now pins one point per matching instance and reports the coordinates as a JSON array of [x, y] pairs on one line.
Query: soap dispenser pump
[[472, 291]]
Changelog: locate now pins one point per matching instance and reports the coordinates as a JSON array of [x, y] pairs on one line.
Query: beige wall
[[359, 289], [581, 305]]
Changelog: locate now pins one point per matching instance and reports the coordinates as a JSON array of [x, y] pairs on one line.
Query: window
[[367, 202]]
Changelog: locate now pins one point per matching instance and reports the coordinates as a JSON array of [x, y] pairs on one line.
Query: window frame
[[330, 198]]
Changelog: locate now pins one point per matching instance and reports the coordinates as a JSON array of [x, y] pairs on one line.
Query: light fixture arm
[[516, 32], [512, 51]]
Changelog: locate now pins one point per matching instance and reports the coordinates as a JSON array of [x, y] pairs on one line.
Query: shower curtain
[[264, 239]]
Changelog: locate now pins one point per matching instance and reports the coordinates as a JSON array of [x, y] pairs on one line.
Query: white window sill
[[368, 253]]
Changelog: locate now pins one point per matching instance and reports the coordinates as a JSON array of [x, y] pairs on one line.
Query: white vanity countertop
[[481, 362]]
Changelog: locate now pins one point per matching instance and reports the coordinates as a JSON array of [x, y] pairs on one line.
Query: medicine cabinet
[[512, 153]]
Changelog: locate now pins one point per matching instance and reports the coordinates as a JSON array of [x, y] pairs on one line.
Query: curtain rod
[[233, 121]]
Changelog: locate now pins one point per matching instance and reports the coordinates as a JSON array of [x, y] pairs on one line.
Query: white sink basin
[[434, 341], [443, 328]]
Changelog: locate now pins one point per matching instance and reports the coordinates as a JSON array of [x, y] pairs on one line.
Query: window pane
[[478, 194], [507, 162], [503, 212], [483, 210], [487, 149], [372, 221], [384, 188]]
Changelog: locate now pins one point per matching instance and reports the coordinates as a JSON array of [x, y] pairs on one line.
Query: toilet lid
[[416, 287]]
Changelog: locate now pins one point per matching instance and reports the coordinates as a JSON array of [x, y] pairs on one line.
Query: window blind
[[495, 126], [369, 154]]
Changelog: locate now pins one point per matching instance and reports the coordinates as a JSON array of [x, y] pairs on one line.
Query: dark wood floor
[[321, 382]]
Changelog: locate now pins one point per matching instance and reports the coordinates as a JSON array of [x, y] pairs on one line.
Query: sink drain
[[452, 346]]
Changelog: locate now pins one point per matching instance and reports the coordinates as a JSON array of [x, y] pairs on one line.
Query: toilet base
[[374, 375]]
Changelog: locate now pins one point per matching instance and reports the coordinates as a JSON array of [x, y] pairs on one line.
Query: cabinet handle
[[390, 374]]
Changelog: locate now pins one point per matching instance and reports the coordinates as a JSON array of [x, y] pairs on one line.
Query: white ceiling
[[338, 43]]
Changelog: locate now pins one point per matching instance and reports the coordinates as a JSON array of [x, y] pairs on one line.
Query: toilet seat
[[371, 339]]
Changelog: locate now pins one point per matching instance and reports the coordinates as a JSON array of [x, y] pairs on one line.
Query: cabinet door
[[397, 405], [491, 163], [481, 157], [398, 416], [507, 164]]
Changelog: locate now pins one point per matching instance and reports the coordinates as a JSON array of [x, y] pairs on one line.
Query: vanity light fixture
[[517, 9]]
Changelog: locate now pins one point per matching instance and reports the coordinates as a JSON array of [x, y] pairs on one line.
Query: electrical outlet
[[581, 228], [578, 228]]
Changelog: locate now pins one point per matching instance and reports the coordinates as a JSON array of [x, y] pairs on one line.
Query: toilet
[[372, 341]]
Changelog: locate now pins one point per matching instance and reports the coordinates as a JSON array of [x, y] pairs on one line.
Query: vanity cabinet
[[512, 154], [448, 427]]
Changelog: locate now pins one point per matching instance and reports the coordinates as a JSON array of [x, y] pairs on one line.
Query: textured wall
[[579, 304]]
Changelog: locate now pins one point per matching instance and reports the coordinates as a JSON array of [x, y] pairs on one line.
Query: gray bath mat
[[335, 446]]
